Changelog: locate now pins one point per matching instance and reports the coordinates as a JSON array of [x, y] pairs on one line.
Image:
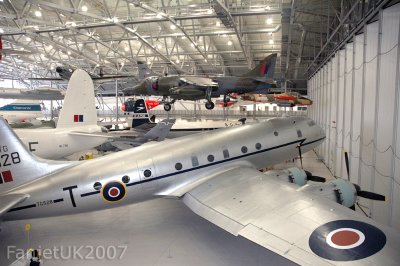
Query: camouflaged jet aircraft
[[259, 80], [216, 175]]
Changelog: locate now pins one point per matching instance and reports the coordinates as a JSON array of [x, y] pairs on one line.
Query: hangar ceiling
[[205, 37]]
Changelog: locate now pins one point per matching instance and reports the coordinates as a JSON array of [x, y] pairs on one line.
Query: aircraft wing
[[36, 94], [199, 81], [10, 200], [86, 134], [295, 224]]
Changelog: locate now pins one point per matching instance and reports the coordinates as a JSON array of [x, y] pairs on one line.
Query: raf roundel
[[346, 240], [114, 191]]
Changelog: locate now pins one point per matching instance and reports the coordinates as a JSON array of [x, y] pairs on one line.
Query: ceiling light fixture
[[177, 61], [230, 43], [84, 8], [38, 13], [217, 23], [69, 52], [1, 30], [271, 41], [269, 21], [172, 27], [126, 49], [28, 39]]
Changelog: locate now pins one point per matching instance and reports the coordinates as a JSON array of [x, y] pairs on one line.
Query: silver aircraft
[[216, 175]]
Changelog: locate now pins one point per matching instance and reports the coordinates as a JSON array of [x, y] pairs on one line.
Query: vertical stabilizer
[[265, 69], [140, 114], [79, 107], [17, 164], [145, 71]]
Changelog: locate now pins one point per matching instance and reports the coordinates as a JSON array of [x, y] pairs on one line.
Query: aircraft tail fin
[[265, 69], [17, 164], [140, 114], [160, 131], [79, 107], [145, 71]]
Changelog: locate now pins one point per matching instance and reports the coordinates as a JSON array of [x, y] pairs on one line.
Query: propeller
[[362, 193], [315, 178]]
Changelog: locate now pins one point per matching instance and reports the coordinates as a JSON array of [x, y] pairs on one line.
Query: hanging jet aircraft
[[76, 127], [216, 175], [259, 79], [288, 99], [21, 111]]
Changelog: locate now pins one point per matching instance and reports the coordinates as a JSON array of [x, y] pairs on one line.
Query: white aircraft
[[21, 111], [76, 127], [216, 175]]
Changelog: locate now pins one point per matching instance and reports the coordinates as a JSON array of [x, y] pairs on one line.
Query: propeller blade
[[346, 159], [317, 178], [301, 157], [371, 195]]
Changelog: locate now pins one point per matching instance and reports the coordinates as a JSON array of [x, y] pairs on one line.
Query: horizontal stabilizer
[[9, 201]]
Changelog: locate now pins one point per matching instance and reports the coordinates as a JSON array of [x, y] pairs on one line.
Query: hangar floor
[[159, 232]]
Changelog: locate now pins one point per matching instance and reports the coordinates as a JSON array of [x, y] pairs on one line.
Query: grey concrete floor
[[158, 232]]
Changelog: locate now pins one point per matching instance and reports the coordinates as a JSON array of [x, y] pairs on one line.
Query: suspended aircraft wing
[[303, 227], [36, 94], [199, 81], [9, 201]]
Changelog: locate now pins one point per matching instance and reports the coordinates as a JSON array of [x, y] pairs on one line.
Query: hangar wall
[[357, 100]]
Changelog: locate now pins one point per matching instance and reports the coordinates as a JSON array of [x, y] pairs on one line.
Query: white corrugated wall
[[356, 100]]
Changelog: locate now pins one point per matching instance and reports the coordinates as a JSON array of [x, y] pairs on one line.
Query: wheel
[[209, 105], [167, 107]]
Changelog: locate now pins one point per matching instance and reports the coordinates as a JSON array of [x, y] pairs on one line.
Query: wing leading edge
[[300, 226]]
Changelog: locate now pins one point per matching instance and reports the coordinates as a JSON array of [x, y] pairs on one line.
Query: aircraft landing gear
[[167, 107], [167, 103], [209, 105], [226, 100]]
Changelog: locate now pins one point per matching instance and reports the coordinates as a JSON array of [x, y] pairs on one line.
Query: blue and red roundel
[[346, 240], [114, 191]]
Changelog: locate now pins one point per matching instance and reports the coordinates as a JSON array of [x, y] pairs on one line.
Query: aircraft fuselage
[[161, 169]]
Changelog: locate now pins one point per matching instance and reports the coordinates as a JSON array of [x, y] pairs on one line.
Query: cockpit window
[[311, 123]]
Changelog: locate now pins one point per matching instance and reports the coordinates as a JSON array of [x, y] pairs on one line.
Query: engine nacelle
[[338, 190], [292, 175]]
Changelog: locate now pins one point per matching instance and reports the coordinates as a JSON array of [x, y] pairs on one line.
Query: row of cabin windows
[[178, 166], [211, 158]]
